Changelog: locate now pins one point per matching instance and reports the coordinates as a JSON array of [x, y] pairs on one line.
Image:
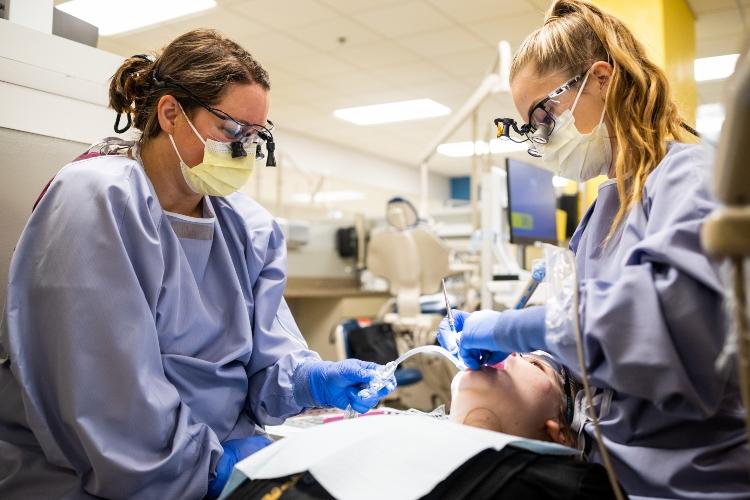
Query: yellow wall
[[667, 29]]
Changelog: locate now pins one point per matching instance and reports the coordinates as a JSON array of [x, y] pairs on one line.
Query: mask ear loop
[[580, 91], [171, 139], [191, 124], [174, 145]]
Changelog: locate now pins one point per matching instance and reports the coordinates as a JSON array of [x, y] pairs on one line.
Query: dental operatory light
[[467, 148], [118, 16], [714, 68], [415, 109]]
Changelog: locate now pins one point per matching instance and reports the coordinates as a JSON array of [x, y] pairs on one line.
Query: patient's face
[[516, 398]]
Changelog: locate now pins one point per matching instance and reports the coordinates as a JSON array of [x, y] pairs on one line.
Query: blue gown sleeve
[[83, 344], [278, 346], [655, 331]]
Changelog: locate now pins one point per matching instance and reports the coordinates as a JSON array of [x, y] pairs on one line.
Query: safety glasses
[[542, 115], [240, 133], [237, 130], [541, 119]]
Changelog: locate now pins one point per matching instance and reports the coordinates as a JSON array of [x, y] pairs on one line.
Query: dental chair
[[413, 261]]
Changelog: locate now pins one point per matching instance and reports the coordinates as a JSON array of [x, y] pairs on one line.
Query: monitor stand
[[495, 234]]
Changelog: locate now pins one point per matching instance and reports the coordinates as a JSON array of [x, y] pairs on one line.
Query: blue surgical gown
[[653, 325], [135, 340]]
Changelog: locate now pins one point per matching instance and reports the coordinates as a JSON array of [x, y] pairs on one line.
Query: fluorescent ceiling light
[[468, 148], [714, 68], [329, 196], [118, 16], [416, 109]]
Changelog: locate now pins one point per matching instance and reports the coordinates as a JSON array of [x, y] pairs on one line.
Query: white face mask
[[218, 174], [573, 155]]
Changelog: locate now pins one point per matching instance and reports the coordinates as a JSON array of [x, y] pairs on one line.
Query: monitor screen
[[531, 204]]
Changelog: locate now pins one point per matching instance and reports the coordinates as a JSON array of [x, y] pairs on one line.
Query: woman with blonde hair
[[650, 300]]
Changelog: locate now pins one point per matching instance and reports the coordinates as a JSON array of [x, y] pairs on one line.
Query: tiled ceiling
[[327, 54]]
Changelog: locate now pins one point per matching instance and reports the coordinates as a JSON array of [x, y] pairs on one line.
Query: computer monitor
[[531, 204]]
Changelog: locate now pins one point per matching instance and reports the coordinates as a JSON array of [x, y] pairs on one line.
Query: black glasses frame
[[238, 146], [535, 132]]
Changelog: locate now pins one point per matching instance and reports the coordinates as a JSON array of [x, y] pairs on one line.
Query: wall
[[27, 162]]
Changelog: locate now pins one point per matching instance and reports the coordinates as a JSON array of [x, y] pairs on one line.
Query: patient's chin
[[485, 379]]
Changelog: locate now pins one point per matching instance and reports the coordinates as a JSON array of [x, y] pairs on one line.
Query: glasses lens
[[242, 133], [539, 116]]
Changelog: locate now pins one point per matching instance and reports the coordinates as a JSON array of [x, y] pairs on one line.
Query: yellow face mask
[[218, 174]]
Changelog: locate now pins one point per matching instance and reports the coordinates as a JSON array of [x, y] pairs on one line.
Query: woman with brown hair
[[146, 340], [650, 300]]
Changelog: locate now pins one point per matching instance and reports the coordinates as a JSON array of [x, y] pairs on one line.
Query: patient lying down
[[524, 397], [527, 395]]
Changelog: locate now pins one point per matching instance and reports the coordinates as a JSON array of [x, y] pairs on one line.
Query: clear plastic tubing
[[436, 349], [387, 371]]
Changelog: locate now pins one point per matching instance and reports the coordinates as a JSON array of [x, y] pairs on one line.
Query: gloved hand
[[487, 337], [447, 338], [235, 450], [340, 384]]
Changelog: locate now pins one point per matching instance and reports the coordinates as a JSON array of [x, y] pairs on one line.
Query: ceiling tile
[[227, 22], [292, 115], [701, 7], [280, 77], [411, 73], [355, 85], [117, 47], [470, 65], [404, 19], [718, 25], [354, 6], [326, 35], [478, 10], [303, 91], [273, 48], [447, 89], [376, 54], [445, 41], [283, 14], [316, 64], [231, 24], [153, 38], [513, 29]]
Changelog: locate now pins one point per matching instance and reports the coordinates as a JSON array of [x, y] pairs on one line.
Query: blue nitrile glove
[[487, 337], [234, 451], [340, 384], [447, 338]]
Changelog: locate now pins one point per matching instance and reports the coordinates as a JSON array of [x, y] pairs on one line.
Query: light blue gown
[[134, 341], [652, 318]]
